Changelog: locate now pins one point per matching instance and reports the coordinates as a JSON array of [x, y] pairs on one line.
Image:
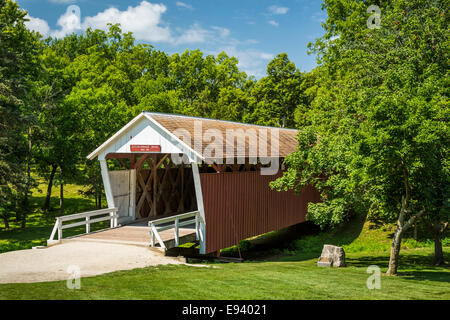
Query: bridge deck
[[137, 233]]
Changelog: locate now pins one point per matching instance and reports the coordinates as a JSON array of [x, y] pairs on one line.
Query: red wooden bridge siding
[[239, 205]]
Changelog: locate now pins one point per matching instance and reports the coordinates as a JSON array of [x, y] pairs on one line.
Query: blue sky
[[252, 30]]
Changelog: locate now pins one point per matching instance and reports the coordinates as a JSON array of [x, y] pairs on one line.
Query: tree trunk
[[438, 229], [61, 193], [99, 201], [6, 222], [27, 191], [49, 188], [17, 208], [402, 226], [415, 231], [438, 254], [395, 252]]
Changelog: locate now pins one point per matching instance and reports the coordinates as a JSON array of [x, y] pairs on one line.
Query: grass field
[[39, 225], [279, 265], [254, 280]]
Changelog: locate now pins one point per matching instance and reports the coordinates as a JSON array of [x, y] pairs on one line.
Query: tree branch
[[413, 219]]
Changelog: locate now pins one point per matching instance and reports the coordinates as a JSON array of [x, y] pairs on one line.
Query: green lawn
[[39, 225], [279, 265], [254, 280]]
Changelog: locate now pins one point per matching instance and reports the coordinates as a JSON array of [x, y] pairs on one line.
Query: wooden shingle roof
[[175, 124], [169, 130]]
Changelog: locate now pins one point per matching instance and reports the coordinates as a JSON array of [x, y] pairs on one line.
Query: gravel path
[[92, 258]]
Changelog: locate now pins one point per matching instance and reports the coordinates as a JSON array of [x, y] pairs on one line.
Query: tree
[[377, 138], [18, 68], [54, 84], [199, 80], [278, 95]]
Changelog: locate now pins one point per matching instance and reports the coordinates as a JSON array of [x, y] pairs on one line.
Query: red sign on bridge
[[145, 148]]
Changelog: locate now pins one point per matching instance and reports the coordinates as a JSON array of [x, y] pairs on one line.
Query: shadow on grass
[[411, 266], [303, 241]]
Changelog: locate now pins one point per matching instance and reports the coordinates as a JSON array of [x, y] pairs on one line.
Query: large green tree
[[377, 138], [278, 95], [19, 50]]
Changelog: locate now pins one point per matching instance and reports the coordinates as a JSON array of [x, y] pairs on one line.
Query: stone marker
[[331, 256]]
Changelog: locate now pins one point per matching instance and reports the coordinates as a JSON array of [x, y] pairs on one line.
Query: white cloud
[[223, 32], [38, 25], [143, 20], [252, 61], [198, 34], [320, 16], [184, 5], [195, 34], [278, 10], [274, 23], [146, 22], [69, 22]]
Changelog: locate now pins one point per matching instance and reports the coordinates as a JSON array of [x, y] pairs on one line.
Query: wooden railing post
[[111, 222], [174, 222], [55, 228], [88, 225], [59, 229], [196, 228], [176, 233], [152, 236]]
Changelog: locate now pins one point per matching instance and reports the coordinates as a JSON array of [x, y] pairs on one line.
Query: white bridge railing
[[59, 226], [175, 222]]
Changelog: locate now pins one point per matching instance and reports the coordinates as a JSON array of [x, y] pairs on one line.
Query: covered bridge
[[180, 170]]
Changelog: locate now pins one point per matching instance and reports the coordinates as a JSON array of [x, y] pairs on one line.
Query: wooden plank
[[152, 238], [88, 225], [86, 214], [172, 226], [120, 185], [181, 169], [120, 155], [55, 227], [172, 218], [155, 174], [216, 167], [141, 161], [107, 185], [176, 229], [199, 195], [123, 163], [132, 161], [158, 237], [144, 195], [132, 199], [162, 160], [197, 236], [59, 231], [82, 223]]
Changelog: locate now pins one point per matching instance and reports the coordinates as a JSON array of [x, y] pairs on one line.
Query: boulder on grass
[[332, 256]]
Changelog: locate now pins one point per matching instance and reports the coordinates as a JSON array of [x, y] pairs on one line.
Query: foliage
[[18, 68], [277, 96], [378, 128], [377, 137]]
